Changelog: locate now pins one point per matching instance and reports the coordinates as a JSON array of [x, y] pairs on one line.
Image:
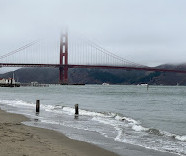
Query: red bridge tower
[[63, 69]]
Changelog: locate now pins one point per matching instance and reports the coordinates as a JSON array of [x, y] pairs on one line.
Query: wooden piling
[[37, 106], [76, 109]]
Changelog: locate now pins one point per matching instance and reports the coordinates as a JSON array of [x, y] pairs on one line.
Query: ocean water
[[129, 120]]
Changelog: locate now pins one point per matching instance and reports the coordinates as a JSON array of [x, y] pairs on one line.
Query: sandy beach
[[17, 139]]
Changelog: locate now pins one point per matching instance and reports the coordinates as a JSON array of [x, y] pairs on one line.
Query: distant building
[[10, 82], [7, 81], [34, 83]]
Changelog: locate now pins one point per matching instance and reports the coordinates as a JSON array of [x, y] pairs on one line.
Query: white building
[[7, 81], [34, 83]]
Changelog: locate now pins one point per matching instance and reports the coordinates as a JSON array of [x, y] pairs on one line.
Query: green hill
[[98, 76]]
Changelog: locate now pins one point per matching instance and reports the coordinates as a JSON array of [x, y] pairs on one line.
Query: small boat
[[144, 84], [105, 84]]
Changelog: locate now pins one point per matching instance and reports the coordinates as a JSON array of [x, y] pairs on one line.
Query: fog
[[149, 32]]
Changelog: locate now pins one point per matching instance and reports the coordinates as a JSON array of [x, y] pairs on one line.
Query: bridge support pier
[[63, 75], [63, 69]]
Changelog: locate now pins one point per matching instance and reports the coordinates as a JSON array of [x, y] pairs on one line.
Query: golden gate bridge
[[74, 53]]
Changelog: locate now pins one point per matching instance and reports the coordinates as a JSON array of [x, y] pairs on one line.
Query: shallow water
[[110, 116]]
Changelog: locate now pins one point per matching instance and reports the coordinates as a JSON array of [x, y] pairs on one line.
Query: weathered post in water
[[76, 109], [37, 106]]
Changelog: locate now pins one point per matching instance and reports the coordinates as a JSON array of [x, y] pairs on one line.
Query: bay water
[[129, 120]]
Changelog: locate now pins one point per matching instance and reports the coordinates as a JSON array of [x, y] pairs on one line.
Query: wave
[[108, 118], [167, 134], [16, 103], [122, 128], [71, 110]]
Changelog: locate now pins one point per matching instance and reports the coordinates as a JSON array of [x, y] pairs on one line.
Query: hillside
[[98, 76]]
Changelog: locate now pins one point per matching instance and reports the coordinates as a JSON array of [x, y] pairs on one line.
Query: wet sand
[[17, 139]]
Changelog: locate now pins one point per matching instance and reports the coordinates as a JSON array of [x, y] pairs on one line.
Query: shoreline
[[26, 140], [18, 139]]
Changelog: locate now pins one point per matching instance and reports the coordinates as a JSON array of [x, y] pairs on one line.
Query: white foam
[[50, 122], [48, 108], [68, 110], [17, 103], [71, 111], [181, 138], [119, 136], [105, 121], [138, 128], [122, 118], [167, 134]]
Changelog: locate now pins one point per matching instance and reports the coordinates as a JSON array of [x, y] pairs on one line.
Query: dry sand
[[17, 139]]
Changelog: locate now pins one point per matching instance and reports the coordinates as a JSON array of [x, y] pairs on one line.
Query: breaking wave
[[125, 129]]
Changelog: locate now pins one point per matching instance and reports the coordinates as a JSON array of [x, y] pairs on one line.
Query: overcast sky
[[149, 32]]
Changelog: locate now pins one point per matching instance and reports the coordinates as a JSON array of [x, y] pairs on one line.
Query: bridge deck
[[92, 66]]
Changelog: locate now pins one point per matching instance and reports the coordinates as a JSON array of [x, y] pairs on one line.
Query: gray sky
[[149, 32]]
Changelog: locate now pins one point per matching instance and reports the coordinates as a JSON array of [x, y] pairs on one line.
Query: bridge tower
[[63, 69]]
